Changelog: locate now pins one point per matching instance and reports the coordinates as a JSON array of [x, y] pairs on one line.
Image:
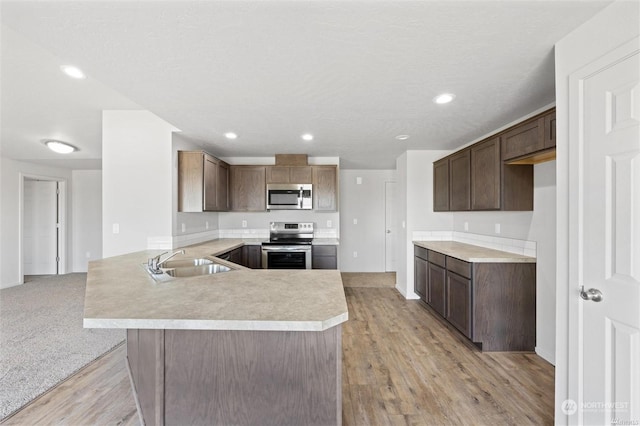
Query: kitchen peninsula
[[238, 347]]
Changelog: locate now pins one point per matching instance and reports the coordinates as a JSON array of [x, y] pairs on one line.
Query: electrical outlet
[[466, 226], [497, 228], [355, 221], [88, 255], [183, 227], [355, 254], [358, 180], [329, 224], [116, 228], [244, 223], [206, 224]]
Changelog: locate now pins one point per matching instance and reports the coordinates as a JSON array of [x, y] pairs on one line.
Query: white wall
[[11, 171], [136, 182], [615, 25], [193, 222], [415, 186], [366, 203], [538, 225], [86, 207]]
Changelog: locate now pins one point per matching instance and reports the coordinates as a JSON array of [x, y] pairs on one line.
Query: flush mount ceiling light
[[231, 135], [73, 72], [402, 137], [59, 146], [444, 98], [307, 137]]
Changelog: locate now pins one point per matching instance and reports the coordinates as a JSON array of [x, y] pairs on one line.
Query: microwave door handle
[[300, 197]]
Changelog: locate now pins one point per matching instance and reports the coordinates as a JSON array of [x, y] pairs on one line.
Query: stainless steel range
[[289, 246]]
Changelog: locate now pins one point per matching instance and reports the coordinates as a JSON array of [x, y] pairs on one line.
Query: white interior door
[[390, 226], [604, 242], [40, 228]]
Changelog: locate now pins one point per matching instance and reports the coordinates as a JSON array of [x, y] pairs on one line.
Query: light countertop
[[474, 254], [121, 294]]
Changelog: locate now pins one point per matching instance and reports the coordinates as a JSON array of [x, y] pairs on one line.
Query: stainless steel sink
[[192, 271], [185, 263]]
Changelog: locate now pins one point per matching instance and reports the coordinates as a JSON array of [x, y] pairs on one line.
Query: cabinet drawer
[[324, 250], [458, 266], [420, 252], [437, 258]]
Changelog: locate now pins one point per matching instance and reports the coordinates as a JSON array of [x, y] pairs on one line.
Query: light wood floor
[[402, 366]]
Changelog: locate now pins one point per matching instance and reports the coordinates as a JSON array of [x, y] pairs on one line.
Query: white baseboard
[[548, 356]]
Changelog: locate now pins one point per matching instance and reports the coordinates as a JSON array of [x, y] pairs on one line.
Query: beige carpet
[[42, 340], [369, 279]]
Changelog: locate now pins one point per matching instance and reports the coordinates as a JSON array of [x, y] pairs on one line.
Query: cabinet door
[[300, 174], [190, 181], [210, 185], [324, 257], [420, 278], [460, 180], [248, 188], [222, 186], [252, 257], [485, 175], [436, 288], [277, 174], [458, 309], [550, 130], [441, 185], [325, 188], [523, 139]]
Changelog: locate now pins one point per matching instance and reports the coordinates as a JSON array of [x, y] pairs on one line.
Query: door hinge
[[57, 259], [58, 191], [58, 225]]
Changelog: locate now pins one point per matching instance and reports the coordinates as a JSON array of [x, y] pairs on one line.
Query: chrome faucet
[[155, 263]]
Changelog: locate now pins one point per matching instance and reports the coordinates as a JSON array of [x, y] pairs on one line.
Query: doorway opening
[[42, 226]]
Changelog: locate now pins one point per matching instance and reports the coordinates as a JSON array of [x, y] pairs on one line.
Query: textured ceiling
[[353, 73]]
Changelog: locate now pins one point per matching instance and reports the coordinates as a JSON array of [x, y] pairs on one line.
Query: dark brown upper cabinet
[[441, 185], [460, 180], [289, 174], [550, 130], [325, 188], [485, 175], [203, 182], [495, 173], [248, 188], [531, 142]]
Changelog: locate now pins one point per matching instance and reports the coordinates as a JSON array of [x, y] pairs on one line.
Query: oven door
[[286, 257]]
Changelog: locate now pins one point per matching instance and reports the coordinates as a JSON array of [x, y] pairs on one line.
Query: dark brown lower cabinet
[[458, 308], [252, 256], [492, 304], [234, 256], [437, 277], [421, 276], [324, 257], [220, 377]]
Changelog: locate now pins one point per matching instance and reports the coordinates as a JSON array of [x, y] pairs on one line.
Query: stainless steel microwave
[[289, 196]]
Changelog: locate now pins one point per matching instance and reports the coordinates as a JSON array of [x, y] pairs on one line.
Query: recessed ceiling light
[[307, 137], [73, 72], [231, 135], [59, 146], [444, 98], [402, 137]]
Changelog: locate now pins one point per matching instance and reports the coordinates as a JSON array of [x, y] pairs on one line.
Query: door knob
[[388, 231], [592, 294]]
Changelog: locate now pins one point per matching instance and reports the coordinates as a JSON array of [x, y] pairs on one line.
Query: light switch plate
[[116, 228], [355, 221], [329, 224], [497, 228], [358, 180], [244, 223]]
